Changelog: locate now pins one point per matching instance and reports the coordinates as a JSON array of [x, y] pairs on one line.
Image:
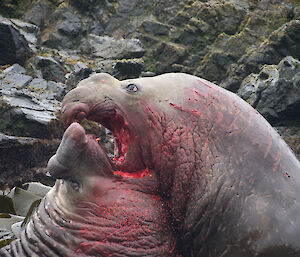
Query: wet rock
[[109, 48], [275, 91], [18, 41], [28, 105], [128, 68], [21, 158]]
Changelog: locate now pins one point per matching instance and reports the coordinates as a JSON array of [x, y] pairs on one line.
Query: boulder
[[275, 92], [18, 41], [168, 54], [48, 68], [27, 105]]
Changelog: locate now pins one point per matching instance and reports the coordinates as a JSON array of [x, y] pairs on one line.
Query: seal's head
[[135, 111]]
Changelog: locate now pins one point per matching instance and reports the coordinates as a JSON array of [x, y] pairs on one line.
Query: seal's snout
[[66, 158], [74, 112]]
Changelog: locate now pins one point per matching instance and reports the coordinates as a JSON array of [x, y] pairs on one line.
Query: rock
[[155, 28], [128, 68], [18, 41], [70, 24], [21, 158], [13, 78], [282, 42], [38, 13], [275, 91], [168, 54], [49, 69], [74, 77], [28, 105], [109, 48], [65, 30], [30, 32]]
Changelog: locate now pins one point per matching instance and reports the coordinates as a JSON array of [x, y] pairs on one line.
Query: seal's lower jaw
[[78, 151]]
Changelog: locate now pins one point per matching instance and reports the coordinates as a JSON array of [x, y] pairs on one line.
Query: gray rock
[[65, 30], [284, 41], [275, 91], [70, 24], [16, 68], [156, 28], [38, 13], [109, 48], [49, 68], [18, 41], [13, 78], [28, 105]]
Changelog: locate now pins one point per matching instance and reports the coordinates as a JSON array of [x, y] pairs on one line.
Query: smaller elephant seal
[[196, 172]]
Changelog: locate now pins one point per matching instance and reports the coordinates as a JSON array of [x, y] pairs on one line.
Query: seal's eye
[[132, 88]]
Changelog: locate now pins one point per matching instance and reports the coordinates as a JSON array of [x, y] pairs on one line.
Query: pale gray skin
[[231, 183]]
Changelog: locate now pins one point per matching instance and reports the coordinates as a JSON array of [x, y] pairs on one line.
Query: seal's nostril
[[80, 116]]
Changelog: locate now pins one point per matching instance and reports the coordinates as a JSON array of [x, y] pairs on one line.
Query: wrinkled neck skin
[[218, 162], [114, 219]]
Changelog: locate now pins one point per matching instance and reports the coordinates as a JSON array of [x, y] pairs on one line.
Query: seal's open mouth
[[125, 156], [119, 129]]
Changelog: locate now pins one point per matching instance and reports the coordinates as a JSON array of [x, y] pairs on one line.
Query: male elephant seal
[[196, 172]]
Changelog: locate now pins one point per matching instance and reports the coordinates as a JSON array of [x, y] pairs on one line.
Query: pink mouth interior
[[120, 130], [121, 137]]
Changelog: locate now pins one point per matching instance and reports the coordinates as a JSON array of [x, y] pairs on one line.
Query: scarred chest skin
[[222, 182]]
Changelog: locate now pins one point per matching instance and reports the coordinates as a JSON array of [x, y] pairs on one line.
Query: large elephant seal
[[196, 172]]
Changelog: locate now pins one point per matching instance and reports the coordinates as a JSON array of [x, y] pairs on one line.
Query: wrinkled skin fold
[[196, 172]]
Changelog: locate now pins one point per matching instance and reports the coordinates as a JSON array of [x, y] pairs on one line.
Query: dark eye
[[75, 185], [132, 88]]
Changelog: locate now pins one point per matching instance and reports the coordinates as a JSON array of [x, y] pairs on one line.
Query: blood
[[138, 174], [193, 112]]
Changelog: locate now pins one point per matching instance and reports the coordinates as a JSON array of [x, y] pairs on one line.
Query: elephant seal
[[196, 172]]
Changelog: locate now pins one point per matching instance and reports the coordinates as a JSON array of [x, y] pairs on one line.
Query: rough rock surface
[[284, 41], [18, 41], [27, 105], [275, 91]]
